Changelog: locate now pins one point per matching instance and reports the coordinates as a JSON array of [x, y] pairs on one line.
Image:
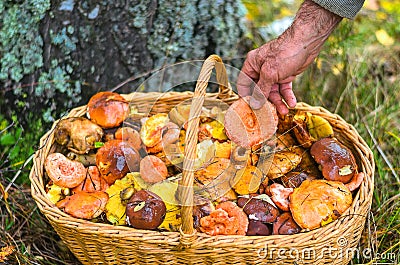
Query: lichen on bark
[[55, 54]]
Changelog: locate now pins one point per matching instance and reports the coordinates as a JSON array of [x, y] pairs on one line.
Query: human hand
[[274, 66]]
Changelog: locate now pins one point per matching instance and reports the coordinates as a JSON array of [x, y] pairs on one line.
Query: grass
[[355, 76]]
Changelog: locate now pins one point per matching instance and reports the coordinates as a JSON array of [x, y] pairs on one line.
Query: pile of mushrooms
[[256, 173]]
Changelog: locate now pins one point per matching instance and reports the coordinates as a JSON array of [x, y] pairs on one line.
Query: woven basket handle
[[186, 183]]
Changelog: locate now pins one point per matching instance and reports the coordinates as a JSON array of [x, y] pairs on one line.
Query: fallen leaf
[[383, 37], [6, 251]]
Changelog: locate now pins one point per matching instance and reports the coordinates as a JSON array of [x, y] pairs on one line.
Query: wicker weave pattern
[[97, 243]]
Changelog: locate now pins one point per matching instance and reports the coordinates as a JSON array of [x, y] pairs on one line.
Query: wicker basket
[[98, 243]]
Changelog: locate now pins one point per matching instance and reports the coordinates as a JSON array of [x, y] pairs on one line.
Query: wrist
[[311, 27]]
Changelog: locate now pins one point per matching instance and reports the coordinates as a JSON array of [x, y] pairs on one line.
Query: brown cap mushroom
[[116, 158], [294, 179], [336, 160], [246, 126], [285, 225], [145, 210], [257, 228], [78, 134], [64, 172], [107, 109], [258, 210]]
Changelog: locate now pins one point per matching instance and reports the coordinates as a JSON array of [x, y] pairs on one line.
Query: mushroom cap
[[336, 160], [92, 182], [258, 210], [115, 159], [145, 210], [64, 172], [107, 109], [257, 228], [78, 134], [246, 126], [84, 205], [317, 202], [226, 219], [130, 135], [152, 129], [285, 225], [153, 169]]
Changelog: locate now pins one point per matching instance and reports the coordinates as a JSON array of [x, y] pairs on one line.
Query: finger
[[249, 75], [263, 88], [286, 92], [276, 99], [257, 99], [244, 84]]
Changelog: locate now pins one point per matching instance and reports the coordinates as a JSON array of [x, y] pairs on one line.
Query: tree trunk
[[59, 53]]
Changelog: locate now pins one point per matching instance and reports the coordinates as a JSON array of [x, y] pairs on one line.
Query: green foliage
[[356, 76], [17, 145]]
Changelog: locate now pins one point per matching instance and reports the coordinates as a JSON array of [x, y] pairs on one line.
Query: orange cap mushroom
[[246, 126], [107, 109], [153, 169]]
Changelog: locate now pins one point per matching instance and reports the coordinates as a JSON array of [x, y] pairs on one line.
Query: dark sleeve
[[343, 8]]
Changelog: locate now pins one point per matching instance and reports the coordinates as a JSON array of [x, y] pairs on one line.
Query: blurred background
[[55, 54]]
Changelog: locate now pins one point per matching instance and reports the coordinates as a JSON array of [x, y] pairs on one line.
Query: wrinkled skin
[[78, 134], [64, 172], [84, 205]]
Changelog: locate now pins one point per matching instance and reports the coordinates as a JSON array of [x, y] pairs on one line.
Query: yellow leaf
[[3, 192], [338, 68], [383, 37], [6, 251]]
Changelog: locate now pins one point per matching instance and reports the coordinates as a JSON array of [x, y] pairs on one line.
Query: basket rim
[[363, 197]]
